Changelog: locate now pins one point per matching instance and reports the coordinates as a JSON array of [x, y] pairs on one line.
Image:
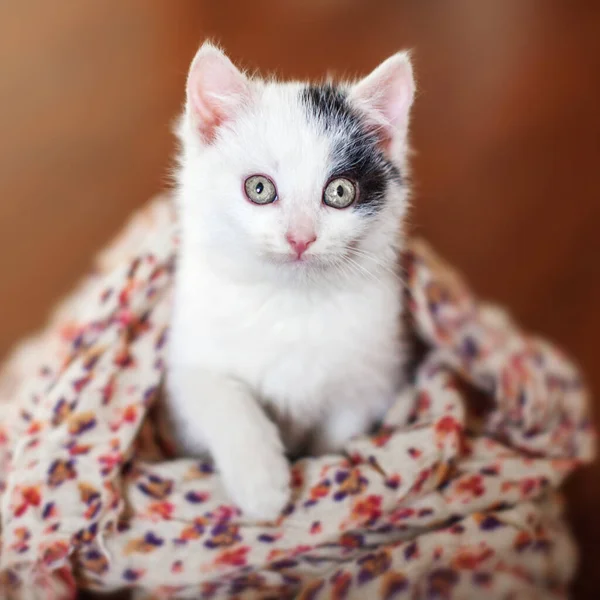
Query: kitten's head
[[294, 177]]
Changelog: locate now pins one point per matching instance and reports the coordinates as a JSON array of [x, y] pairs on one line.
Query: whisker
[[378, 263], [359, 269]]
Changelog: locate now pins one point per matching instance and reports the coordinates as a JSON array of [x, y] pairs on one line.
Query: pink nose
[[300, 243]]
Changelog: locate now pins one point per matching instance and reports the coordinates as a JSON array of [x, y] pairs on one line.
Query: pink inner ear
[[216, 90], [386, 96]]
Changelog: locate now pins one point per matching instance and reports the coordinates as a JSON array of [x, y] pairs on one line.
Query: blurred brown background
[[506, 129]]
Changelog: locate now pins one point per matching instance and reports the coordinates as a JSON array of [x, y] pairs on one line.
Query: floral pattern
[[460, 503]]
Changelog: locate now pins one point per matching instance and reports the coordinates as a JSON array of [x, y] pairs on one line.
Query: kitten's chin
[[303, 263]]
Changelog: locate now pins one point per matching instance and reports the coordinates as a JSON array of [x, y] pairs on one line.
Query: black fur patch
[[356, 153]]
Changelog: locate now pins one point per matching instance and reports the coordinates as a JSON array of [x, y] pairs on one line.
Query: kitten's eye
[[339, 193], [260, 189]]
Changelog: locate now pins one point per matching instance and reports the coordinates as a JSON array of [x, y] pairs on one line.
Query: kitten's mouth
[[294, 259], [305, 261]]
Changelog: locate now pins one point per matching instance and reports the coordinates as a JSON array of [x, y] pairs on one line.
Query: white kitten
[[287, 303]]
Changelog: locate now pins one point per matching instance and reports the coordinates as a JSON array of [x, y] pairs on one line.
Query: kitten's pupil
[[340, 191], [259, 188]]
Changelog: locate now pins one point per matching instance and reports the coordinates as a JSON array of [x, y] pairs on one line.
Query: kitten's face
[[295, 176]]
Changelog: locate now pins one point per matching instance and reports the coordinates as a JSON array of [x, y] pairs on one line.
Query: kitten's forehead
[[327, 104], [286, 146], [312, 133]]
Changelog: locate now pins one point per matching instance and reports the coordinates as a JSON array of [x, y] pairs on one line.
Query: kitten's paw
[[260, 485]]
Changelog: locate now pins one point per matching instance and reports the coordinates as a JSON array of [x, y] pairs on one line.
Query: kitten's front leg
[[221, 414]]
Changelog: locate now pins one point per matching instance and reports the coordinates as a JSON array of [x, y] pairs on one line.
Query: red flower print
[[88, 493], [29, 497], [528, 486], [144, 545], [51, 528], [108, 390], [320, 490], [373, 565], [137, 327], [156, 487], [297, 478], [471, 558], [35, 427], [222, 535], [401, 514], [341, 585], [522, 540], [367, 509], [394, 583], [415, 453], [109, 462], [445, 427], [382, 437], [470, 486], [94, 561], [162, 510], [192, 532], [316, 527], [78, 449], [177, 567], [350, 482], [92, 510], [276, 554], [130, 414], [22, 535], [234, 558], [55, 552], [350, 540], [124, 359], [301, 549], [80, 384], [423, 402], [423, 476], [69, 331], [224, 513]]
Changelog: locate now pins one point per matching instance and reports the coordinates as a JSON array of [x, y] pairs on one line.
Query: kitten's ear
[[386, 95], [216, 90]]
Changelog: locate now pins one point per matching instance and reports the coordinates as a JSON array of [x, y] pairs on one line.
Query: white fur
[[315, 343]]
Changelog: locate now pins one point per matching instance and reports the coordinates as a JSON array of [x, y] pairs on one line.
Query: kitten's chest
[[293, 348]]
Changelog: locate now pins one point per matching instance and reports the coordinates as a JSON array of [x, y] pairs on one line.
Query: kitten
[[287, 300]]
